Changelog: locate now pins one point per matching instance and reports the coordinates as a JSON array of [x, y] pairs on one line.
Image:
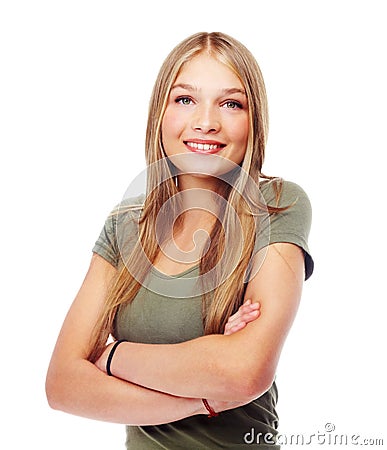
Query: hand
[[245, 314]]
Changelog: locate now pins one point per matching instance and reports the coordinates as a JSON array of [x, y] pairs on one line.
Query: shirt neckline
[[160, 274]]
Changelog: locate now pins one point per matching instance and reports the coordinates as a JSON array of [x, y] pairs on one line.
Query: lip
[[204, 146]]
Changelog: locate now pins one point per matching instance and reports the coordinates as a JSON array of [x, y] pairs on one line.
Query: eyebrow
[[224, 91]]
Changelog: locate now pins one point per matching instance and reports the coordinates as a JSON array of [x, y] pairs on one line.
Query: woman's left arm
[[240, 366]]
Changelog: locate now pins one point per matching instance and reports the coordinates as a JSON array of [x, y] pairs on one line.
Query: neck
[[206, 183]]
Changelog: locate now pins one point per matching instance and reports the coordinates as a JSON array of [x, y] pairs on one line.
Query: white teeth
[[204, 147]]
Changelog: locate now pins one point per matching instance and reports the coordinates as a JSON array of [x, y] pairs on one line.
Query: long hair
[[226, 298]]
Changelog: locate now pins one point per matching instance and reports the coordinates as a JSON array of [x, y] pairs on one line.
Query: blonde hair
[[218, 305]]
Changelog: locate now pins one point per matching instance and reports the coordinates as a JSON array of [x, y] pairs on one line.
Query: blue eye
[[183, 100]]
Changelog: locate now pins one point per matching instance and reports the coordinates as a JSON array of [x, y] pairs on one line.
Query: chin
[[202, 164]]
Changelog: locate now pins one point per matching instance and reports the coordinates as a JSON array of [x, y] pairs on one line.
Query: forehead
[[205, 70]]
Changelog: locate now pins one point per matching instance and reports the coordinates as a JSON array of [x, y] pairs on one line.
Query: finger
[[240, 322], [236, 316], [255, 305], [247, 317], [232, 326], [251, 316], [233, 329], [241, 314], [244, 310]]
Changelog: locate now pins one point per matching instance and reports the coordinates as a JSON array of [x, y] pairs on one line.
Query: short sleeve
[[106, 244], [292, 225], [120, 231]]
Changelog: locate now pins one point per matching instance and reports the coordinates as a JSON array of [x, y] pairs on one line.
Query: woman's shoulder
[[292, 223], [128, 206], [120, 230], [124, 214], [282, 193]]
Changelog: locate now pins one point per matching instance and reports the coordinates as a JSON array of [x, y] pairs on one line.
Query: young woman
[[198, 321]]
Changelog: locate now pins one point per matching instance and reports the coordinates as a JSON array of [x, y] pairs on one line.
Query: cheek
[[239, 131], [244, 130], [239, 134], [171, 126]]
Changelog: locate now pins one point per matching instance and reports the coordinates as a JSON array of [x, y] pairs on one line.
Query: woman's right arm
[[77, 386]]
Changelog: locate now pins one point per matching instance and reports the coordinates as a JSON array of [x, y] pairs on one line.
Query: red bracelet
[[209, 408]]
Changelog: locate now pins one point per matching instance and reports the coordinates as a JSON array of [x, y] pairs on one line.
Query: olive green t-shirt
[[161, 313]]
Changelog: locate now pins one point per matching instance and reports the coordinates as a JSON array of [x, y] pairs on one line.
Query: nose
[[206, 119]]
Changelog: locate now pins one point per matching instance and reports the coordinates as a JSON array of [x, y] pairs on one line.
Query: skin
[[236, 367], [213, 366], [207, 105], [77, 386], [203, 108], [230, 369]]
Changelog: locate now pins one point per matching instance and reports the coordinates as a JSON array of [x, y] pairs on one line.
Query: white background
[[75, 81]]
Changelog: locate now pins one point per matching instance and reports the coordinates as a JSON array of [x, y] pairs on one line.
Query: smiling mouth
[[204, 147]]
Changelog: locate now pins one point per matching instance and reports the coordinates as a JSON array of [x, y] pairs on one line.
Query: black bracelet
[[111, 354]]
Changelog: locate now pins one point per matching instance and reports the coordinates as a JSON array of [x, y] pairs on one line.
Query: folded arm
[[233, 367], [77, 386]]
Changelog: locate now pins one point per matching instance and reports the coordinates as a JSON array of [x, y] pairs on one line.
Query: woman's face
[[207, 114]]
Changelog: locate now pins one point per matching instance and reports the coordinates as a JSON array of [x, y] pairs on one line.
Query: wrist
[[199, 408], [111, 355], [209, 409]]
